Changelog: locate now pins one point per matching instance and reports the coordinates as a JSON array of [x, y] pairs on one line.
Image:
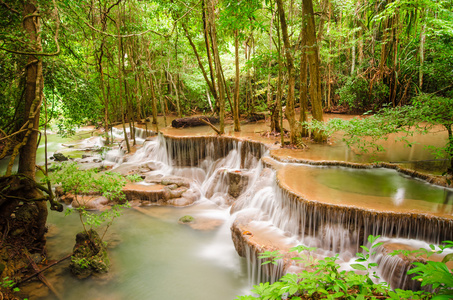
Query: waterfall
[[281, 216]]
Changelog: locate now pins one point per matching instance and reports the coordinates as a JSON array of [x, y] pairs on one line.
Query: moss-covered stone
[[90, 255], [186, 219]]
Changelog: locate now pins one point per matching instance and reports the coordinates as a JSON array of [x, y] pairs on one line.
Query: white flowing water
[[157, 258]]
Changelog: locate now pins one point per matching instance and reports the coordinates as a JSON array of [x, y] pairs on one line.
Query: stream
[[155, 257]]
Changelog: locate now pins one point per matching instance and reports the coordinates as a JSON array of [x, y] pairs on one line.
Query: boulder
[[90, 202], [162, 190], [90, 255], [186, 219], [238, 182], [59, 157]]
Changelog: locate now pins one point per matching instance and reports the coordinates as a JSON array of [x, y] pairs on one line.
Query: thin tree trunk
[[162, 104], [120, 82], [176, 81], [218, 67], [206, 30], [422, 55], [290, 110], [200, 64], [279, 85], [303, 89], [237, 126]]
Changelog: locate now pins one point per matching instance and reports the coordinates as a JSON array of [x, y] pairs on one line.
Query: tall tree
[[308, 23], [290, 107]]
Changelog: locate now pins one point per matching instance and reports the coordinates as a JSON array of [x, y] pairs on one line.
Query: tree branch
[[9, 8], [210, 125]]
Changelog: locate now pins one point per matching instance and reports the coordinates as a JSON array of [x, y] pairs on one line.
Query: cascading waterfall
[[269, 205]]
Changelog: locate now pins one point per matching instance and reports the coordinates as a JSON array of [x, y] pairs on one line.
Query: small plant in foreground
[[322, 279], [8, 284], [8, 288]]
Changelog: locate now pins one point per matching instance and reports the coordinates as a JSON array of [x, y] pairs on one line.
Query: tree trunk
[[218, 66], [313, 60], [237, 126], [273, 107], [289, 112], [206, 31], [200, 64], [422, 56], [303, 89], [120, 81], [33, 99]]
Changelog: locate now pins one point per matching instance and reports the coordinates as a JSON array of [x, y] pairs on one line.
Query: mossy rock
[[186, 219], [90, 255]]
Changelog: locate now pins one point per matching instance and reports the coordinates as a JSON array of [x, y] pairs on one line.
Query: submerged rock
[[90, 255], [186, 219]]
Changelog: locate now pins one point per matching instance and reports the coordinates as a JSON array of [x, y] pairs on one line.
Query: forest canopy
[[105, 62]]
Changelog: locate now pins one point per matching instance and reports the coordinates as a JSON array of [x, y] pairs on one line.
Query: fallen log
[[45, 268], [43, 278], [193, 121]]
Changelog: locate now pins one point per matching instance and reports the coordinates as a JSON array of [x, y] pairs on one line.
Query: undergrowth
[[322, 279]]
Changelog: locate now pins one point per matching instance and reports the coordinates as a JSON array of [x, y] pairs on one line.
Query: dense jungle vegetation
[[108, 62]]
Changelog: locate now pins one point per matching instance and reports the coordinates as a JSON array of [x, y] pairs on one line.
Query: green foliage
[[82, 182], [270, 257], [323, 279], [355, 92], [134, 177], [82, 263], [9, 284], [433, 273]]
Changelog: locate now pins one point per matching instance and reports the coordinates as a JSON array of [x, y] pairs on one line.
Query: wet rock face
[[90, 255], [238, 182], [166, 190], [393, 268], [91, 202]]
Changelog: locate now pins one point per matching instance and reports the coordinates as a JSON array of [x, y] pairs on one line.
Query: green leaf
[[358, 267]]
